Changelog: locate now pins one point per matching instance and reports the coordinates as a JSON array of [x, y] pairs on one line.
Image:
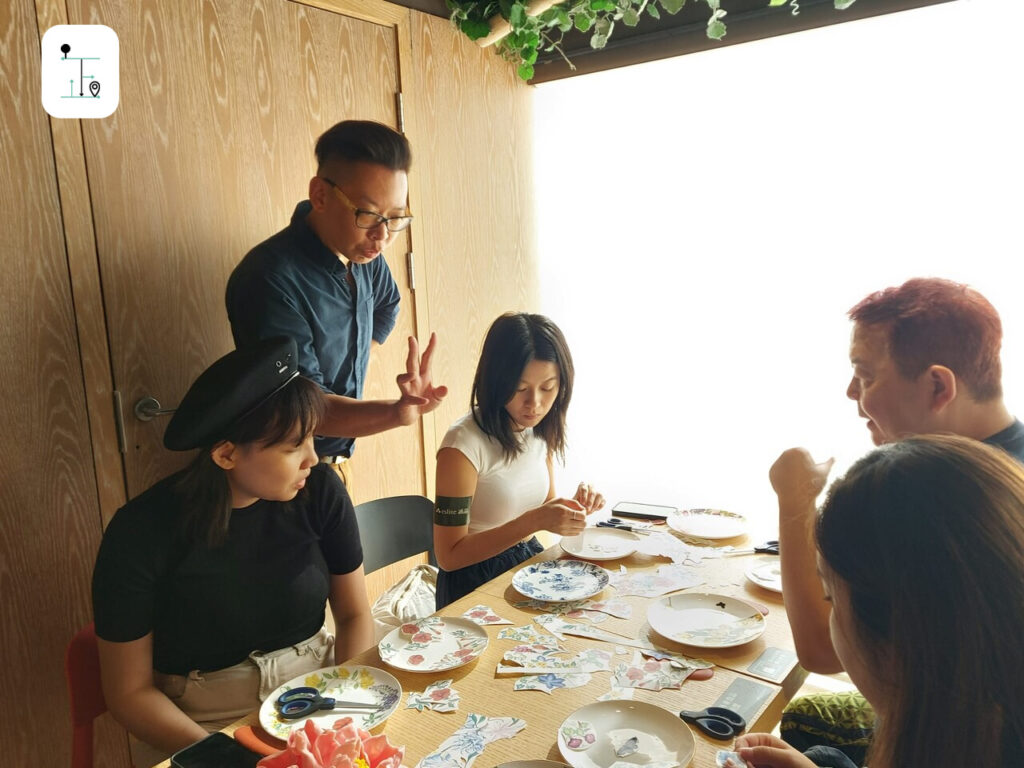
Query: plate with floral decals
[[354, 683], [705, 620], [433, 644], [601, 544], [707, 523], [767, 574], [559, 581], [627, 733]]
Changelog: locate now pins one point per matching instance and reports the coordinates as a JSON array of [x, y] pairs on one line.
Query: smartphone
[[642, 511], [217, 750]]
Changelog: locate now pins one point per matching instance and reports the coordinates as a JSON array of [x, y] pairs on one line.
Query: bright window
[[705, 222]]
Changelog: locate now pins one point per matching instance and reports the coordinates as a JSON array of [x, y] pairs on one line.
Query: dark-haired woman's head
[[267, 454], [921, 549], [523, 380]]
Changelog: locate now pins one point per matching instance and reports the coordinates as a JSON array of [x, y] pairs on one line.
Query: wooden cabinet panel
[[209, 151], [49, 515]]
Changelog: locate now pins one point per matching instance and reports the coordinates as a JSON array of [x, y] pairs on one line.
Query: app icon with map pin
[[94, 88]]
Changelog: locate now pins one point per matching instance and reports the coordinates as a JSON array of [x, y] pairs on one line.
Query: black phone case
[[217, 750], [640, 515]]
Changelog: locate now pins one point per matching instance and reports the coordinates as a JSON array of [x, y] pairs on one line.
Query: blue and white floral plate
[[348, 683], [559, 581]]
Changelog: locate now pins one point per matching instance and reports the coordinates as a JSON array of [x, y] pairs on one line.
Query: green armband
[[452, 510]]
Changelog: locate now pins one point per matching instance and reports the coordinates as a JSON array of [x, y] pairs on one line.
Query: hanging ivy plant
[[529, 35]]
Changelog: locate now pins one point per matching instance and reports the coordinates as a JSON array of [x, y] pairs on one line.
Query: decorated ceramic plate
[[531, 764], [662, 739], [433, 644], [601, 544], [767, 574], [349, 683], [705, 620], [708, 523], [559, 581]]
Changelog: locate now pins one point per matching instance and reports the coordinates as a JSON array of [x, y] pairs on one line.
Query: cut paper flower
[[668, 578], [483, 615], [528, 634], [343, 745], [615, 693], [468, 742], [439, 696], [550, 681], [617, 608]]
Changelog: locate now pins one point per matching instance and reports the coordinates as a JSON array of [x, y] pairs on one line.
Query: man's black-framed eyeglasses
[[370, 219]]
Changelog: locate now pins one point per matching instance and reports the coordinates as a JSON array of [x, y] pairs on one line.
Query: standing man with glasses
[[320, 280]]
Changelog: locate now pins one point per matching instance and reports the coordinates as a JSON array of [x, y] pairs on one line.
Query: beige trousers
[[216, 699]]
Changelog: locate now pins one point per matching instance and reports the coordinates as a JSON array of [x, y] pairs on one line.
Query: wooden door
[[208, 153]]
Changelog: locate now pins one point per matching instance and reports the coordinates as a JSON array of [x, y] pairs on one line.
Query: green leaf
[[525, 72], [475, 29], [604, 26], [842, 5], [517, 15], [564, 22], [602, 5], [529, 55], [630, 18], [652, 11], [597, 42], [583, 22], [777, 2], [672, 6], [716, 29]]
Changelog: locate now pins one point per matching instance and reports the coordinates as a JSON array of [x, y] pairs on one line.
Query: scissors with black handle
[[717, 722], [305, 701], [768, 548]]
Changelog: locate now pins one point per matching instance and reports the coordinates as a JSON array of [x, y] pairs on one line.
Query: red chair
[[82, 670]]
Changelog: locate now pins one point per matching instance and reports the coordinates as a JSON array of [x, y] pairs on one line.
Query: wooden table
[[482, 691]]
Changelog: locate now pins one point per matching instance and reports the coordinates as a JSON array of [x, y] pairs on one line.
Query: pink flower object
[[343, 745]]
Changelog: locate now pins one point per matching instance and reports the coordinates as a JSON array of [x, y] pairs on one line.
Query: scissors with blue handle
[[717, 722], [305, 701]]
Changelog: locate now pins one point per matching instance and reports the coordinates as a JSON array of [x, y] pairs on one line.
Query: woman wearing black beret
[[210, 588]]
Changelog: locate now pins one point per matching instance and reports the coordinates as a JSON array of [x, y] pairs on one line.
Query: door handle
[[148, 408]]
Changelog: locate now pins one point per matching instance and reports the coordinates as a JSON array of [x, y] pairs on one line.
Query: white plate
[[705, 620], [531, 764], [708, 523], [349, 683], [601, 544], [767, 574], [559, 581], [447, 642], [660, 733]]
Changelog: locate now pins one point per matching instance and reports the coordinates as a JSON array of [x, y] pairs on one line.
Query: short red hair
[[932, 321]]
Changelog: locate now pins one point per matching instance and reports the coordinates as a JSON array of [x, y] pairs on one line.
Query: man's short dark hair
[[931, 321], [364, 141]]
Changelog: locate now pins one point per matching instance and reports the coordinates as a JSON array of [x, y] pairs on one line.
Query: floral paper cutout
[[439, 696], [528, 634], [541, 658], [483, 615], [466, 744], [668, 578], [649, 674], [559, 627], [550, 681], [616, 692], [578, 734], [617, 608]]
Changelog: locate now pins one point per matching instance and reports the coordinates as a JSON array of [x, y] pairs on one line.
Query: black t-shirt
[[264, 588]]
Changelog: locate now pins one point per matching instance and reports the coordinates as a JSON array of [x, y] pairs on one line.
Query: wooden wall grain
[[49, 514], [475, 164]]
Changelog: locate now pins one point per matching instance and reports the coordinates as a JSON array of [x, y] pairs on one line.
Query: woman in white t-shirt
[[495, 467]]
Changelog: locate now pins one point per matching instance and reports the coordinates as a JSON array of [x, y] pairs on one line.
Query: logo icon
[[81, 70]]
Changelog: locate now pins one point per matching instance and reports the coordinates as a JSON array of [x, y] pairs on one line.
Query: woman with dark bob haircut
[[495, 467], [921, 554], [209, 588]]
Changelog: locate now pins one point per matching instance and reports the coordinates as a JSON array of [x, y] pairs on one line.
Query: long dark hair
[[927, 535], [204, 487], [512, 341]]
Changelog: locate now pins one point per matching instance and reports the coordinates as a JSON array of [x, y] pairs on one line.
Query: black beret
[[231, 388]]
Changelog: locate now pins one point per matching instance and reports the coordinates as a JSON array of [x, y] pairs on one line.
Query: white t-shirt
[[503, 490]]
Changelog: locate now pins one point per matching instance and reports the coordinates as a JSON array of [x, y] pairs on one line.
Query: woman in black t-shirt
[[210, 587]]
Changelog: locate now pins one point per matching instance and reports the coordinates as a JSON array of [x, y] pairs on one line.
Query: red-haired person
[[926, 360]]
